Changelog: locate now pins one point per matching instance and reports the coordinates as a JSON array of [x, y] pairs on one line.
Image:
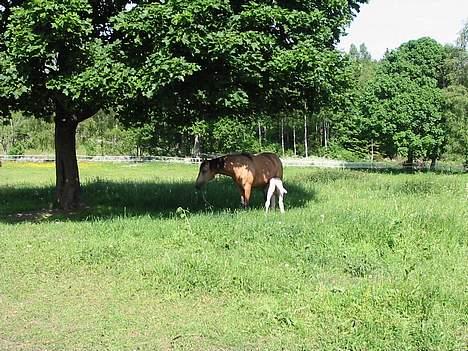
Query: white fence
[[294, 162], [51, 158]]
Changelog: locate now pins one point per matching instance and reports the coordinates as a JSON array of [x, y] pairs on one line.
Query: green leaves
[[160, 70], [41, 28], [456, 110], [402, 106], [309, 74], [175, 60], [13, 84], [46, 45], [231, 135], [421, 59], [214, 58]]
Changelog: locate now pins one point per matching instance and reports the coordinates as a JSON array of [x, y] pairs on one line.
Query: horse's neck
[[226, 168]]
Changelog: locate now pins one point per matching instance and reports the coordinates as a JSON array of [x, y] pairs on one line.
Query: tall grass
[[360, 261]]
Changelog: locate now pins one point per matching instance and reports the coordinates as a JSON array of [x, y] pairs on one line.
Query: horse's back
[[267, 165]]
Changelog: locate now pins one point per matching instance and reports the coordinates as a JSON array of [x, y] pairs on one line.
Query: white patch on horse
[[275, 187]]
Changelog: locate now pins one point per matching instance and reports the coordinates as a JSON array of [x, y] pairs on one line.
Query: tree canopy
[[400, 107], [210, 58]]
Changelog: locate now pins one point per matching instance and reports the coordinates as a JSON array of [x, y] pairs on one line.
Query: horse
[[276, 185], [247, 170]]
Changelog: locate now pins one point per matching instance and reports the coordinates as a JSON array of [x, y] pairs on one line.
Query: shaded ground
[[106, 199]]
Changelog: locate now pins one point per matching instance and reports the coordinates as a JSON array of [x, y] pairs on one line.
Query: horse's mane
[[217, 163], [246, 154]]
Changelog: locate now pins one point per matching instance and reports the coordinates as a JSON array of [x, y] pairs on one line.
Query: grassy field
[[359, 261]]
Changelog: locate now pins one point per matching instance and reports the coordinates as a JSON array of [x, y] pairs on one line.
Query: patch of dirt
[[41, 215]]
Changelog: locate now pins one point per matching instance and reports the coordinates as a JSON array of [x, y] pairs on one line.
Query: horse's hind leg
[[269, 195], [280, 201]]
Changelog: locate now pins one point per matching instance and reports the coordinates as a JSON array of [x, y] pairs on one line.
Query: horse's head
[[205, 174]]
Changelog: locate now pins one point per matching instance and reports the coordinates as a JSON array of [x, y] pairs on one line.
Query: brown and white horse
[[247, 170]]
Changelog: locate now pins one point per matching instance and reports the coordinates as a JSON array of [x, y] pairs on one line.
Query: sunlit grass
[[358, 261]]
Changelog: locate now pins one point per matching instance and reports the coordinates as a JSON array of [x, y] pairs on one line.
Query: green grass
[[359, 261]]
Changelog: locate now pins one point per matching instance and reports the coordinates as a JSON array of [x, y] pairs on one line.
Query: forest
[[410, 104], [346, 131]]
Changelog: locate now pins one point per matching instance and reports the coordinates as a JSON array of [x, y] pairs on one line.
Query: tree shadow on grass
[[109, 199]]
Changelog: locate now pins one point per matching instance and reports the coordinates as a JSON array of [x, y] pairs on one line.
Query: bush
[[17, 149], [338, 152], [230, 135]]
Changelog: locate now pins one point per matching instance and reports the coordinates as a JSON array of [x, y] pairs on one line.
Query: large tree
[[172, 62], [402, 107], [44, 45]]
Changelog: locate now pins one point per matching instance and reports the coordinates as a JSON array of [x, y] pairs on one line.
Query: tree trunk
[[319, 132], [409, 164], [196, 146], [325, 133], [306, 147], [294, 140], [282, 134], [66, 165], [259, 134], [433, 163]]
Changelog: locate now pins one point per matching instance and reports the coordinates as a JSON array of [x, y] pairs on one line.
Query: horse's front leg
[[247, 193], [243, 200], [242, 194]]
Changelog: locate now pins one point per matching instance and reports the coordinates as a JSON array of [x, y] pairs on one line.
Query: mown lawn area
[[359, 261]]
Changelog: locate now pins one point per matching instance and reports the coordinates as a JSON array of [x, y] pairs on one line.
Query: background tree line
[[412, 104]]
